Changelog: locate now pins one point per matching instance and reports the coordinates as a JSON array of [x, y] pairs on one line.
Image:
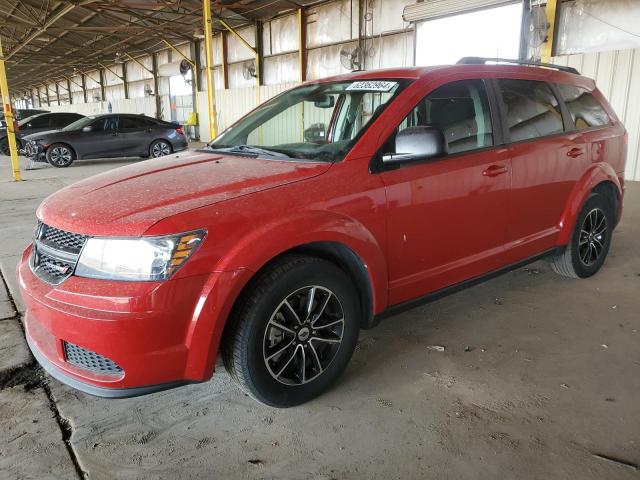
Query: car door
[[546, 160], [135, 132], [103, 140], [447, 217]]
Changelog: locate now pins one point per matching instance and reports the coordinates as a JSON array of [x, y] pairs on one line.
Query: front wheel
[[60, 155], [293, 332], [590, 241], [159, 148]]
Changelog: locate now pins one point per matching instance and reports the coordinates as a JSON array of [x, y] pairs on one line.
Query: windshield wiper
[[249, 150]]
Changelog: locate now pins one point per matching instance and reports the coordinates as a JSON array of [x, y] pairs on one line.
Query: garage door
[[430, 9]]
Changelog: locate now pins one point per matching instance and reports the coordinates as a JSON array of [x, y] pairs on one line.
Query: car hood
[[128, 200], [45, 135]]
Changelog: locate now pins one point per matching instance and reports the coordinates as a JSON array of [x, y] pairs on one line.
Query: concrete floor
[[541, 374]]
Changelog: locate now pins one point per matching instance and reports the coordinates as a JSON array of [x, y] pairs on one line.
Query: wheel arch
[[163, 139], [601, 178]]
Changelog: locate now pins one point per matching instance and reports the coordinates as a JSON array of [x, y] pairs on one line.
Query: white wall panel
[[236, 50], [281, 69], [332, 22], [617, 75], [325, 62]]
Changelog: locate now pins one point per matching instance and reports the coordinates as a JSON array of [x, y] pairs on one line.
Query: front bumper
[[34, 151], [161, 334]]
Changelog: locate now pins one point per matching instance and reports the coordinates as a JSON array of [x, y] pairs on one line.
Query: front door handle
[[575, 152], [495, 170]]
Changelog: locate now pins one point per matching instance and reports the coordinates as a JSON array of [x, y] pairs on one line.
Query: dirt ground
[[540, 378]]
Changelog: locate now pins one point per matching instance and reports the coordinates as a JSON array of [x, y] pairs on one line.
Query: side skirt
[[432, 296]]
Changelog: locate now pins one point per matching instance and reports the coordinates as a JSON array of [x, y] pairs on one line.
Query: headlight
[[137, 259]]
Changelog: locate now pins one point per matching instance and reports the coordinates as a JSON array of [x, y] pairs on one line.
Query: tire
[[160, 148], [590, 240], [281, 359], [4, 147], [60, 155]]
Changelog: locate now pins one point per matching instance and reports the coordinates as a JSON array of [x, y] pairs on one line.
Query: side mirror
[[87, 129], [324, 101], [417, 143]]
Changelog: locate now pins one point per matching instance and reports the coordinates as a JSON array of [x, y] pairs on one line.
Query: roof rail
[[484, 60]]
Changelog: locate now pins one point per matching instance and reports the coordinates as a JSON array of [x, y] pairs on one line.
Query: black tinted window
[[133, 122], [105, 124], [43, 121], [532, 109], [460, 110], [63, 119], [585, 110]]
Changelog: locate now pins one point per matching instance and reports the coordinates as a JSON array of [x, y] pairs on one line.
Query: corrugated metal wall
[[617, 75]]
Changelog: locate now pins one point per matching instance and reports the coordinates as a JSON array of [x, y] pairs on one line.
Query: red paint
[[417, 229]]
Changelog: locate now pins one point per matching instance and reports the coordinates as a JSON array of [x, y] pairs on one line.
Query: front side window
[[533, 111], [585, 110], [460, 110], [316, 122], [105, 124]]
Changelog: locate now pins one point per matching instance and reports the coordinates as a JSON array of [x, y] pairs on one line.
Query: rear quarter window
[[586, 111], [533, 111]]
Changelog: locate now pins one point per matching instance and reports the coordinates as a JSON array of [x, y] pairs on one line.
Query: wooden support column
[[69, 90], [154, 68], [225, 59], [259, 55], [57, 93], [124, 80], [302, 44], [103, 92], [84, 87]]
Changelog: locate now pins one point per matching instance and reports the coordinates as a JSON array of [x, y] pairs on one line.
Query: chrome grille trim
[[55, 253]]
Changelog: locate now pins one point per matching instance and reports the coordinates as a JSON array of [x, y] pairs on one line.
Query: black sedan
[[107, 136], [20, 114], [37, 123]]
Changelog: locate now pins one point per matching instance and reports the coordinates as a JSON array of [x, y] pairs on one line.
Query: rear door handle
[[495, 170], [575, 152]]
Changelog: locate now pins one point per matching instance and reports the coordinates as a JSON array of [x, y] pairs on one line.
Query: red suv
[[324, 209]]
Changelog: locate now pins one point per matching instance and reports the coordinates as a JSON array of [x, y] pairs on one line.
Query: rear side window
[[585, 110], [133, 122], [460, 110], [42, 121], [533, 111]]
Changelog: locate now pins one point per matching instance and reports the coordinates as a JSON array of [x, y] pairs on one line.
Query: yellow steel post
[[8, 118], [547, 46], [208, 47]]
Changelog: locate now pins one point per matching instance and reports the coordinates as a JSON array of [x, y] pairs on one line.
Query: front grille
[[54, 269], [88, 360], [66, 240], [55, 253]]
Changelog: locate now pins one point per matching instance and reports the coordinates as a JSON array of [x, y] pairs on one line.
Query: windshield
[[78, 124], [315, 122]]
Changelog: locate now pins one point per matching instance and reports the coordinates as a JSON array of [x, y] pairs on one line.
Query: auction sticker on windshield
[[372, 86]]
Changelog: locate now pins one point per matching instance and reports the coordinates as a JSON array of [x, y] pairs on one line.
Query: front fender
[[597, 173], [266, 242]]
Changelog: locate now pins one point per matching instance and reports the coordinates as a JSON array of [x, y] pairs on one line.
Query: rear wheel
[[590, 240], [160, 148], [60, 155], [293, 332]]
